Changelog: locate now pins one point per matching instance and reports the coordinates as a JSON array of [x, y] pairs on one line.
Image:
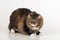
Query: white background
[[49, 9]]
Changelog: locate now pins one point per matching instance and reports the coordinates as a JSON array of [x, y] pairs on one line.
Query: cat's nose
[[33, 22]]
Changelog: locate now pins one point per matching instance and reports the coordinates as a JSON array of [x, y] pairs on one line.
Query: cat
[[25, 21]]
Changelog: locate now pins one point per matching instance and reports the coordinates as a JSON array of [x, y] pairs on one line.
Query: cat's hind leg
[[11, 30]]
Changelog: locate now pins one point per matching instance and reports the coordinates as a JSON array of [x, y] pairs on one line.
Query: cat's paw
[[37, 33], [12, 31], [32, 36]]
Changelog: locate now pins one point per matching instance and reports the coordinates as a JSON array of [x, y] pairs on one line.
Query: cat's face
[[33, 20]]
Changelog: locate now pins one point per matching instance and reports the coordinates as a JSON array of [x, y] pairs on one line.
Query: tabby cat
[[25, 21]]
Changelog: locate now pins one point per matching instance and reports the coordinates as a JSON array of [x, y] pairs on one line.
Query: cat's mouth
[[33, 24]]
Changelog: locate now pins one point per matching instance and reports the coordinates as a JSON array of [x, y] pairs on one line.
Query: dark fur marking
[[24, 12], [17, 32], [35, 15]]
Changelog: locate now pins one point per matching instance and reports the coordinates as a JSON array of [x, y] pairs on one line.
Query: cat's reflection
[[18, 36]]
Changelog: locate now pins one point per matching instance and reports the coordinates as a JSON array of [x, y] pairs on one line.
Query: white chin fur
[[12, 31], [35, 28], [33, 25]]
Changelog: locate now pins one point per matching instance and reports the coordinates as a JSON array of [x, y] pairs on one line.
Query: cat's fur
[[19, 21]]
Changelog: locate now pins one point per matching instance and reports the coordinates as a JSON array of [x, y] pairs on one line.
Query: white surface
[[49, 9]]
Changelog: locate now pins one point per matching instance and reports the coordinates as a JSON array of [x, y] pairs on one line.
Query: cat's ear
[[39, 17], [29, 16]]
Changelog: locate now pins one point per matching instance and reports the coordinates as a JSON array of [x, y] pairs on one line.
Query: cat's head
[[33, 20]]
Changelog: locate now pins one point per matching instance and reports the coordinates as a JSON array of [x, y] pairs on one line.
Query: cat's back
[[22, 12]]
